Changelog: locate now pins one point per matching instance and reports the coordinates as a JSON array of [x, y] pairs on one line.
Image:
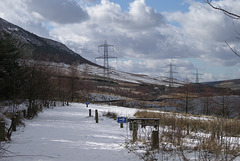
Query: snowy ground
[[68, 134]]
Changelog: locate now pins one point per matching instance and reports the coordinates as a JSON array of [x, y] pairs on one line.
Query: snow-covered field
[[68, 134]]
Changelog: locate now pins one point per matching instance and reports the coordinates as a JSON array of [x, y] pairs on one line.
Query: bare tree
[[73, 77], [185, 102], [226, 12], [207, 101]]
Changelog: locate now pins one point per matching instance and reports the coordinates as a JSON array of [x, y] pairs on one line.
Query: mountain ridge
[[233, 84], [40, 48]]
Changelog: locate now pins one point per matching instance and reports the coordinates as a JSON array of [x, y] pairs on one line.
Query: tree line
[[34, 82]]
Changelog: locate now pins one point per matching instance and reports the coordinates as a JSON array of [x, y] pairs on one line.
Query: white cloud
[[139, 33], [207, 77], [59, 11], [16, 12], [204, 23], [209, 29], [142, 16]]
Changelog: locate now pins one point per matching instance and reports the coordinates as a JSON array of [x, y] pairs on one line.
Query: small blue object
[[122, 120], [87, 103]]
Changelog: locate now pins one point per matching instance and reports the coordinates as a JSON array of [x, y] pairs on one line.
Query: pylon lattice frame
[[171, 72], [105, 57]]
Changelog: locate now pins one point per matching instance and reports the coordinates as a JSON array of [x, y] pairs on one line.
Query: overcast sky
[[147, 35]]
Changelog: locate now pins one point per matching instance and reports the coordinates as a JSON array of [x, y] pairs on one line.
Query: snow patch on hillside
[[121, 76]]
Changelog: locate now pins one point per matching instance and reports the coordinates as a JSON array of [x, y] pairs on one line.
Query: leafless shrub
[[194, 124], [112, 115], [209, 139]]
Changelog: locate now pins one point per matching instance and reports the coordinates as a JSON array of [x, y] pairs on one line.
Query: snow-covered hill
[[38, 47], [121, 76], [44, 49]]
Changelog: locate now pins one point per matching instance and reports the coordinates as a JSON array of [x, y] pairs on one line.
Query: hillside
[[43, 49], [233, 84], [39, 48], [116, 75]]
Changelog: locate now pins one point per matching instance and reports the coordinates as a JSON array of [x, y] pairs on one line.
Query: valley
[[44, 84]]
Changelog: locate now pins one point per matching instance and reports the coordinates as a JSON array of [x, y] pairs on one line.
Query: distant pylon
[[105, 57], [171, 72], [197, 76]]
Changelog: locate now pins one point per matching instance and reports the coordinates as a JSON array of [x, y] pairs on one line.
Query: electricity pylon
[[197, 76], [105, 57], [171, 72]]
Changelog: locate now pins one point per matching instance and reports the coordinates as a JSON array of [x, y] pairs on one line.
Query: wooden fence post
[[155, 139], [96, 116], [135, 129], [90, 112], [130, 126], [2, 131], [187, 128]]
